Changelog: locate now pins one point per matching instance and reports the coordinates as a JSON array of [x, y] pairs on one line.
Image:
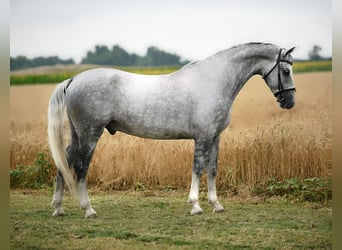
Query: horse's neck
[[244, 63], [229, 70]]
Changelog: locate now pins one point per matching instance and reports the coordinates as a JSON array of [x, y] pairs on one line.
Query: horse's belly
[[153, 131], [161, 135], [157, 117], [165, 125]]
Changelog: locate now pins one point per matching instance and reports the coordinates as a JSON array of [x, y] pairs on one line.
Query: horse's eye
[[287, 72]]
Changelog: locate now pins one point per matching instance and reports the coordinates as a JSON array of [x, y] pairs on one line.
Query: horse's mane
[[249, 44], [229, 50]]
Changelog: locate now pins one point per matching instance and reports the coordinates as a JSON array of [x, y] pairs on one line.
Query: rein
[[280, 85]]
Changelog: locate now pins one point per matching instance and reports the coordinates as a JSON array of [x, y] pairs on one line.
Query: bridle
[[280, 85]]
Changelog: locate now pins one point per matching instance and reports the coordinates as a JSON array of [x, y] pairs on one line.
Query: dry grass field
[[262, 141]]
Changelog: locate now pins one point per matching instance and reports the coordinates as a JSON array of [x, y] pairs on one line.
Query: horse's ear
[[290, 51]]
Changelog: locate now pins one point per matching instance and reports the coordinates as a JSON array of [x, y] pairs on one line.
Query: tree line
[[22, 62], [102, 55], [118, 56]]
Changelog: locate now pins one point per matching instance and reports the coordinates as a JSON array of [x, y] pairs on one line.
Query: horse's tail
[[55, 134]]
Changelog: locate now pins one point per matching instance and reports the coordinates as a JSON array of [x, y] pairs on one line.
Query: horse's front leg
[[211, 173], [201, 159]]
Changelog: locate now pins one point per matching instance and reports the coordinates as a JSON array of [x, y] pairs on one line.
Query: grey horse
[[194, 102]]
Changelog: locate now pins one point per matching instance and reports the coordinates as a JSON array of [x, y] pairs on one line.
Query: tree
[[120, 57], [101, 55], [21, 62], [157, 57], [314, 53]]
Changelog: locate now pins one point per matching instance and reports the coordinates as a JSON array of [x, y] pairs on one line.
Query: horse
[[194, 102]]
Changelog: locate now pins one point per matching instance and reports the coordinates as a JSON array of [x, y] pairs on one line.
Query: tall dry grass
[[262, 141]]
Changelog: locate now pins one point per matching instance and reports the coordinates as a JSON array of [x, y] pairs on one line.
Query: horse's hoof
[[196, 211], [91, 216], [218, 209], [58, 213]]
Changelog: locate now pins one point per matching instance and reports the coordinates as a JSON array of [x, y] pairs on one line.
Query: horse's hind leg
[[211, 173], [71, 152], [87, 144], [58, 196]]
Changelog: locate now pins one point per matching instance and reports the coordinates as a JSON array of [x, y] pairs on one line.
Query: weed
[[310, 189], [140, 186], [36, 175], [317, 189]]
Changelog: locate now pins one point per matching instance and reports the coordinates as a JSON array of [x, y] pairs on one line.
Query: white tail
[[55, 133]]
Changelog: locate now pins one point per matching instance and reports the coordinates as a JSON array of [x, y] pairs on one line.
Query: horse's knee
[[198, 171], [198, 166]]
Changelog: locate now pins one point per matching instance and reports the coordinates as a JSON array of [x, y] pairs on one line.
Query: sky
[[194, 29]]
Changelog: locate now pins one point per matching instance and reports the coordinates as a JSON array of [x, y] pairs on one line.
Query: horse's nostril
[[281, 99]]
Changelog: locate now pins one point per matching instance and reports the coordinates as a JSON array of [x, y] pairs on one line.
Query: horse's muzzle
[[286, 100]]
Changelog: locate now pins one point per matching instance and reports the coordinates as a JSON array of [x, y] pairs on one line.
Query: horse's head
[[279, 78]]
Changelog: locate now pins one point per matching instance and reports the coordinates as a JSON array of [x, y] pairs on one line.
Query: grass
[[312, 66], [46, 75], [161, 220]]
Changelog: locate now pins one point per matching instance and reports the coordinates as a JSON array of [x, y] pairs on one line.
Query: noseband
[[280, 85]]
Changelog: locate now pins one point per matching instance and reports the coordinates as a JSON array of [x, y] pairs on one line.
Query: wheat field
[[262, 141]]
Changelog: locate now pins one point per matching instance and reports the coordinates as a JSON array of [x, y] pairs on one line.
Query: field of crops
[[263, 141]]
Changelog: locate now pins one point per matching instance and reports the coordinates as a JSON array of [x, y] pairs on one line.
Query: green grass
[[311, 66], [60, 75], [38, 79], [161, 220]]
